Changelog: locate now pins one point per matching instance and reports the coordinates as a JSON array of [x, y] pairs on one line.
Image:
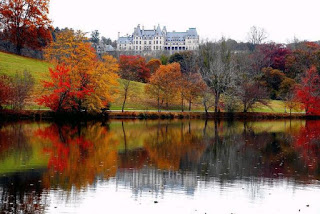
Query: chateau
[[158, 40]]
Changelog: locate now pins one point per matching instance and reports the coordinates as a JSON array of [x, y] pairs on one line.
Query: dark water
[[160, 167]]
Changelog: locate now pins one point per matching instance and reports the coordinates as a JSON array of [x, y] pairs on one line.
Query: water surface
[[160, 166]]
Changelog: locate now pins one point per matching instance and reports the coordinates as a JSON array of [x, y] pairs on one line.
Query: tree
[[251, 93], [163, 85], [95, 38], [132, 68], [21, 87], [73, 50], [5, 90], [257, 35], [153, 65], [192, 85], [272, 79], [25, 23], [60, 94], [104, 84], [217, 69], [308, 92]]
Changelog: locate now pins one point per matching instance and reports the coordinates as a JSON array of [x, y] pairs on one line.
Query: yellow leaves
[[104, 80]]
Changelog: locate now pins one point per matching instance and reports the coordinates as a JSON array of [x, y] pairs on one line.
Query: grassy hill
[[137, 100]]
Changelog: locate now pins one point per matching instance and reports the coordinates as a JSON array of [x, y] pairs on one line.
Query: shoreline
[[50, 115]]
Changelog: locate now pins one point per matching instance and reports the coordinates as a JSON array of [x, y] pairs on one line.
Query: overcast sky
[[282, 19]]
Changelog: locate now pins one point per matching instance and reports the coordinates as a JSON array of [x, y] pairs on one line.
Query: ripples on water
[[160, 167]]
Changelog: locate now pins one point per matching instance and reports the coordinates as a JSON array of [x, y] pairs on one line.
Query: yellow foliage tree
[[163, 84]]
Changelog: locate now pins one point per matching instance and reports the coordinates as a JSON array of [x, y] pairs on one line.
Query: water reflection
[[153, 159]]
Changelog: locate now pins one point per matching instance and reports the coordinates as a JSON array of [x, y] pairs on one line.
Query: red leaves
[[308, 92], [63, 92], [26, 23], [134, 68]]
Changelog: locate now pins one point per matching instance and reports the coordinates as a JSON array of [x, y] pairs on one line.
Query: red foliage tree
[[308, 92], [274, 55], [62, 94], [25, 23], [134, 68]]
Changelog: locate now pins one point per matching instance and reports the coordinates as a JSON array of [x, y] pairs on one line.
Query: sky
[[283, 20]]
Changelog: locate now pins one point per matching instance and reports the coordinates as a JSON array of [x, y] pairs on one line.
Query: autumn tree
[[132, 68], [153, 65], [60, 95], [192, 86], [251, 93], [104, 83], [302, 58], [308, 92], [72, 49], [88, 75], [25, 23], [163, 85]]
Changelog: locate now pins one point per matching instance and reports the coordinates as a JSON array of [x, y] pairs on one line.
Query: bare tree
[[217, 69], [21, 87], [257, 35]]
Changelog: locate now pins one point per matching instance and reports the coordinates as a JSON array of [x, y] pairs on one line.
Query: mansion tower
[[158, 40]]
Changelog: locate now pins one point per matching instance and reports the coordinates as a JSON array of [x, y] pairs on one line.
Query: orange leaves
[[92, 82], [164, 84]]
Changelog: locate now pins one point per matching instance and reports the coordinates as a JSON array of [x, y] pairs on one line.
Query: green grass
[[10, 64], [137, 99]]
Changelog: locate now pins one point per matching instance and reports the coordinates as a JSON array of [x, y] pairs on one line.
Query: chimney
[[142, 27], [118, 35]]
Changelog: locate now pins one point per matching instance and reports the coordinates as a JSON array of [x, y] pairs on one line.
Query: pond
[[160, 166]]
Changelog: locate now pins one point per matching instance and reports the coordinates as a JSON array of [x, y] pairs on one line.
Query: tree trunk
[[158, 104], [124, 101], [182, 106], [216, 102], [190, 105], [18, 49]]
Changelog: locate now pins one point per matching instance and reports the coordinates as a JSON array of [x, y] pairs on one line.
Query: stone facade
[[158, 40]]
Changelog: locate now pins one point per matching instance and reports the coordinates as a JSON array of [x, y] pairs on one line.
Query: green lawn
[[137, 99], [10, 64]]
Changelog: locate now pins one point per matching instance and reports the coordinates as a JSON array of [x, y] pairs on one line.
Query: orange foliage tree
[[93, 81], [25, 23], [164, 84], [153, 65]]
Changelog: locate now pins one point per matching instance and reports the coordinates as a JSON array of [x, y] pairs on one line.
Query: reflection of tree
[[22, 193], [170, 144], [78, 155], [307, 144], [13, 139]]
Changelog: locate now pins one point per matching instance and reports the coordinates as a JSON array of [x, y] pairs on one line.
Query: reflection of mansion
[[158, 40]]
